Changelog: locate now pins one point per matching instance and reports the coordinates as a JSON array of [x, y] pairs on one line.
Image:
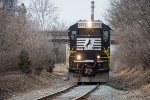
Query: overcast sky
[[70, 11]]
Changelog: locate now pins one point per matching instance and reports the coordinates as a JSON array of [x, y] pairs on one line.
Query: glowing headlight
[[79, 57], [98, 57], [89, 24]]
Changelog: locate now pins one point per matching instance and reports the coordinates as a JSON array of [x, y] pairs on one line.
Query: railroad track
[[75, 92], [48, 97]]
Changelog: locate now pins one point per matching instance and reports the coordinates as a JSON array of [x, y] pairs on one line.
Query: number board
[[93, 25]]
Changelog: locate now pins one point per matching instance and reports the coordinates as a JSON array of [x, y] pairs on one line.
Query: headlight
[[78, 57], [98, 56], [89, 24]]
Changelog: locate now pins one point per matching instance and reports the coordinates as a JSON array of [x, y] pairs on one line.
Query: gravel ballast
[[109, 93]]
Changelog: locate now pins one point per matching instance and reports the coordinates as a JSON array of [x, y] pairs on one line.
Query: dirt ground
[[16, 82], [131, 79]]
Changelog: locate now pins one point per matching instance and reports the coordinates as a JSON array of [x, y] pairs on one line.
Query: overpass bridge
[[62, 37]]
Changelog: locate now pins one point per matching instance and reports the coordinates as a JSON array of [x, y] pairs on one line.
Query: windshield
[[88, 31]]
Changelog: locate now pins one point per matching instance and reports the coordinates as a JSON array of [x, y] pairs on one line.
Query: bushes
[[51, 66], [24, 62], [38, 70], [131, 21], [16, 35], [26, 66]]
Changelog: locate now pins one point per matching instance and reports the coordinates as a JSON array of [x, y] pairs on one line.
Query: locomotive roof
[[75, 26]]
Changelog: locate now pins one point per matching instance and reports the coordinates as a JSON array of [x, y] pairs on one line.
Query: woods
[[130, 20], [31, 31], [23, 33], [44, 13]]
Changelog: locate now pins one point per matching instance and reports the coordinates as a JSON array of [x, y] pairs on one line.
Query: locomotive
[[88, 50]]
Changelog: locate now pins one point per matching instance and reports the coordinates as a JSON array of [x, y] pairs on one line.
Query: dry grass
[[145, 90], [60, 69], [130, 79], [15, 82]]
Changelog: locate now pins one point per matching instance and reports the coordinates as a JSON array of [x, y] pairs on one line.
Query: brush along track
[[75, 92]]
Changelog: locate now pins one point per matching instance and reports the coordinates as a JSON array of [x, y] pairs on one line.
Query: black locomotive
[[88, 55]]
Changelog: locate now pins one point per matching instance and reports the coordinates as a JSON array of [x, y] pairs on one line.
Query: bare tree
[[18, 37], [17, 34], [44, 12], [131, 22]]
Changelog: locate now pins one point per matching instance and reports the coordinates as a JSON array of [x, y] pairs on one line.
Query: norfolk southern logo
[[89, 42]]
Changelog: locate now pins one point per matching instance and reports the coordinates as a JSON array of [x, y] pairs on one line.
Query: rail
[[86, 94], [58, 92]]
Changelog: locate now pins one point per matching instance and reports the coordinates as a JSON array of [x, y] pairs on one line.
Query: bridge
[[62, 37]]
